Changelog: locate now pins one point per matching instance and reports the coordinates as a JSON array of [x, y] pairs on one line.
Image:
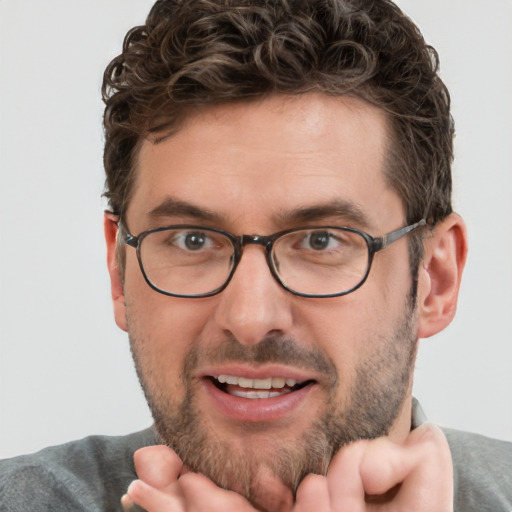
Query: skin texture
[[248, 167]]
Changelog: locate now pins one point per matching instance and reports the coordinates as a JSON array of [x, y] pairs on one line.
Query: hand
[[164, 485], [382, 476], [366, 476]]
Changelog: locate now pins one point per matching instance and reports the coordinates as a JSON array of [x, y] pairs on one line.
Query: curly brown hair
[[202, 52]]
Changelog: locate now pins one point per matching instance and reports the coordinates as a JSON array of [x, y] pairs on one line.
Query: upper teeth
[[270, 382]]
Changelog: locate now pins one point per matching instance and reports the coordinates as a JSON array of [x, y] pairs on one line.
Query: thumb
[[158, 466]]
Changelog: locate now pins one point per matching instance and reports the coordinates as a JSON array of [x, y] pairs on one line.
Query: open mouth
[[270, 387]]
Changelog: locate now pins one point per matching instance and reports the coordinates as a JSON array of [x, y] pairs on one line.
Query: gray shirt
[[92, 474]]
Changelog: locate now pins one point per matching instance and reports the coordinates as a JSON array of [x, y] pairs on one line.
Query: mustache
[[271, 349]]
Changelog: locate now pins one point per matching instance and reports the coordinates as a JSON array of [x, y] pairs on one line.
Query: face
[[339, 368]]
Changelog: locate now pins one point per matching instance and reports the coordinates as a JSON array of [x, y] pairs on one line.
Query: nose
[[254, 305]]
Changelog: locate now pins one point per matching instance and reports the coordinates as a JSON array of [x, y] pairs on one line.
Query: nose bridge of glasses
[[244, 240]]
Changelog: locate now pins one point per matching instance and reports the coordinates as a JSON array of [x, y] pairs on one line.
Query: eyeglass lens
[[319, 261]]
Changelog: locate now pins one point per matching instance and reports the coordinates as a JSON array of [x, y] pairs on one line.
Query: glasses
[[195, 261]]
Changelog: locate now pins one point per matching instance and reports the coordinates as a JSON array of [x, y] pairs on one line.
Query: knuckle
[[312, 484], [431, 438], [313, 480], [189, 480]]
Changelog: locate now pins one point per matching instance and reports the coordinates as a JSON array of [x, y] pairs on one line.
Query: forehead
[[254, 161]]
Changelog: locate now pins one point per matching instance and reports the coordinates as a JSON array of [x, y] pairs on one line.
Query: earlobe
[[116, 285], [440, 275]]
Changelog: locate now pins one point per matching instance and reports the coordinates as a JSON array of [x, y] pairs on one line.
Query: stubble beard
[[370, 408]]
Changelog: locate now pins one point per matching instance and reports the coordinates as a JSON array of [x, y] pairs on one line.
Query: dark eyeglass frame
[[374, 244]]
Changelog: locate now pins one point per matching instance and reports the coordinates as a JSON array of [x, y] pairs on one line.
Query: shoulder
[[90, 474], [482, 469]]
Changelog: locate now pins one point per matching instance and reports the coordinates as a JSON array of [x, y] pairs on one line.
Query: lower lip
[[256, 409]]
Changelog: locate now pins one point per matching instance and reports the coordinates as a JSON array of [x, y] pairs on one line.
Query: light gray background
[[65, 368]]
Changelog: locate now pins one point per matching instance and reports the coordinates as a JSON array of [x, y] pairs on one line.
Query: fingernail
[[128, 505]]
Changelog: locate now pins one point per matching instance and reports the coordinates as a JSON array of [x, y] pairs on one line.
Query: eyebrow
[[345, 210], [172, 207]]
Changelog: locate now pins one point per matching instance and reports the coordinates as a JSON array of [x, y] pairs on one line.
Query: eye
[[192, 240], [320, 241]]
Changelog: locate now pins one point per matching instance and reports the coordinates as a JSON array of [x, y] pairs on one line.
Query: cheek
[[155, 312], [349, 329], [164, 328], [164, 324], [162, 335], [340, 328]]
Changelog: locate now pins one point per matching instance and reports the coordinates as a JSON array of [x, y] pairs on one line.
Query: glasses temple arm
[[389, 238], [126, 236]]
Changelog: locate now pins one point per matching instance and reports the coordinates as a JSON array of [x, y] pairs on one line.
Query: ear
[[116, 284], [440, 275]]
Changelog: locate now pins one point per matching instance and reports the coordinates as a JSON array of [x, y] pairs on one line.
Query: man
[[280, 236]]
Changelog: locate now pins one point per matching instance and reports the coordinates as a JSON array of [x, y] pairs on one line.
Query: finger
[[155, 500], [201, 494], [345, 486], [386, 464], [424, 460], [129, 506], [312, 494], [158, 465]]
